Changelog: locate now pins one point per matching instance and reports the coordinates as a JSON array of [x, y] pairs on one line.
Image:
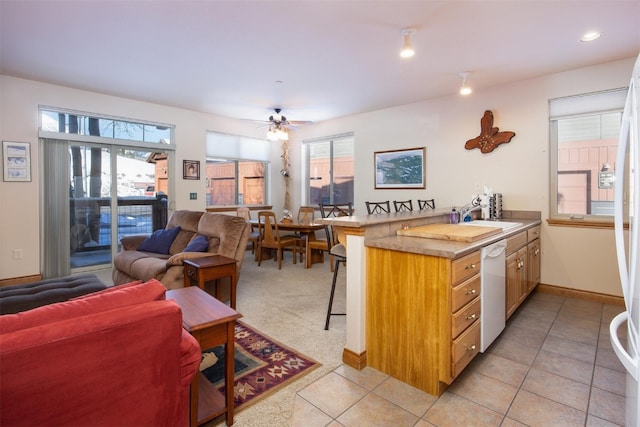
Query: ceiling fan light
[[282, 135], [272, 134]]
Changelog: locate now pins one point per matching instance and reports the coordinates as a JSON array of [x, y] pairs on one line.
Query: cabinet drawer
[[533, 233], [464, 348], [516, 242], [465, 317], [465, 267], [465, 292]]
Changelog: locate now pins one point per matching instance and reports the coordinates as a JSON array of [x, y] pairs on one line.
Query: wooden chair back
[[306, 214], [268, 228]]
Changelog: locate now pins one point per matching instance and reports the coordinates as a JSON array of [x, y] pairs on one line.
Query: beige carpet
[[290, 306]]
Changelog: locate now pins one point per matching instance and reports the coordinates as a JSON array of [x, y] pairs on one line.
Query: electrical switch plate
[[193, 196], [17, 254]]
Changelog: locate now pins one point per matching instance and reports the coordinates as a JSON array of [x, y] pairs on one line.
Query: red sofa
[[117, 357]]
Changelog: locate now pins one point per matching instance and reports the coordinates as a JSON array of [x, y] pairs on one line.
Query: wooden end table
[[211, 323], [202, 270]]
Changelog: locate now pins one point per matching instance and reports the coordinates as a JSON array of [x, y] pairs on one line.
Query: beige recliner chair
[[227, 235]]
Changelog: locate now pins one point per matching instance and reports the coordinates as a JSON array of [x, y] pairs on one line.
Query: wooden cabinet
[[534, 257], [516, 280], [423, 316], [522, 267]]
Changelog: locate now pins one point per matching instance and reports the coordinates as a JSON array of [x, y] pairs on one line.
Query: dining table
[[304, 229]]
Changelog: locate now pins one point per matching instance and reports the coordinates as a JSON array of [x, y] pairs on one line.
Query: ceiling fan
[[279, 120], [278, 125]]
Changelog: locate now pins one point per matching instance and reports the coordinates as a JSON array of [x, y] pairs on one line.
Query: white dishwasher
[[492, 292]]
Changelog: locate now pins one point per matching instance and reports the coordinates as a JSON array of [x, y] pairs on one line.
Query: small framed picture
[[400, 168], [191, 169], [17, 161]]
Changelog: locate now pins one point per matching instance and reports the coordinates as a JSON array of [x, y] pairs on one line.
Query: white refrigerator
[[626, 209]]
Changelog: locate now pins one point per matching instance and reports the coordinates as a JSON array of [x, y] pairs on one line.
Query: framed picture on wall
[[16, 158], [191, 169], [400, 168]]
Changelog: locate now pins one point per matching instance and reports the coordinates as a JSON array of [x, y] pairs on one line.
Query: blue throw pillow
[[199, 243], [160, 241]]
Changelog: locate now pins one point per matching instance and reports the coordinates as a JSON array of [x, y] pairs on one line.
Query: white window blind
[[237, 147]]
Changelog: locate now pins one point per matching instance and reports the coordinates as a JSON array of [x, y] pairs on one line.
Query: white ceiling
[[335, 58]]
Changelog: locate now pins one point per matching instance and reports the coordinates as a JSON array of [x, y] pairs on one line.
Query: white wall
[[20, 202], [574, 258], [571, 257]]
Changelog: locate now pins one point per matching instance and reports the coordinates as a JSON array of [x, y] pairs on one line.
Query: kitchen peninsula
[[400, 315]]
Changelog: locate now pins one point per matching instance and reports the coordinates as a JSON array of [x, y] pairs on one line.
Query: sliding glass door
[[103, 178], [110, 201]]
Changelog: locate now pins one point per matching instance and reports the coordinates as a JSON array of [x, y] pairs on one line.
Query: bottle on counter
[[454, 217]]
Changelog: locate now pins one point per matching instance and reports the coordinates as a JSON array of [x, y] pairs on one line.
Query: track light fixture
[[465, 89], [407, 48]]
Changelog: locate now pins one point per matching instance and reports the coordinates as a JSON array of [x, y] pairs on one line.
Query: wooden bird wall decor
[[489, 137]]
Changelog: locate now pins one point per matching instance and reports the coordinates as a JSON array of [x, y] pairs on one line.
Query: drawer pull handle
[[470, 292], [536, 252], [472, 348], [471, 316], [470, 267]]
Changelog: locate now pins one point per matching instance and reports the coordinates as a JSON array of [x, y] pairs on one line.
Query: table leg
[[234, 284], [229, 369]]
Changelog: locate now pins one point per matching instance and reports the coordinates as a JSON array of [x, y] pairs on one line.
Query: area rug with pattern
[[262, 366]]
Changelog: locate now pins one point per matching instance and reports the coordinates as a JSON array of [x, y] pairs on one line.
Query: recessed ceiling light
[[590, 36]]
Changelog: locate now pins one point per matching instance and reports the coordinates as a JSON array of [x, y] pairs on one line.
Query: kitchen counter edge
[[445, 248]]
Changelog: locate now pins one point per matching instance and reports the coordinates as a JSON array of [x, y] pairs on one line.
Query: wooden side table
[[211, 323], [202, 270]]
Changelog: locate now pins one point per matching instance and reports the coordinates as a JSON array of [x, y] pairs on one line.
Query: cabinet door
[[516, 273], [522, 275], [513, 284], [533, 266]]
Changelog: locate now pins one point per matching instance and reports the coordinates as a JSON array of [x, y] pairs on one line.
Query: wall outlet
[[193, 196], [17, 254]]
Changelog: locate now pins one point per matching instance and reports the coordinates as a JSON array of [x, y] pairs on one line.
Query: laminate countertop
[[446, 248]]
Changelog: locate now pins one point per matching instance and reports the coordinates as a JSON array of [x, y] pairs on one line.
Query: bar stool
[[426, 204], [378, 207], [403, 206], [337, 250]]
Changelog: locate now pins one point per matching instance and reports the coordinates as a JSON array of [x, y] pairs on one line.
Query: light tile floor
[[553, 365]]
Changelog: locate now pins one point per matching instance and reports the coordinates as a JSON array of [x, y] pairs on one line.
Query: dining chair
[[378, 207], [337, 250], [403, 206], [270, 238], [306, 214], [254, 236], [426, 204]]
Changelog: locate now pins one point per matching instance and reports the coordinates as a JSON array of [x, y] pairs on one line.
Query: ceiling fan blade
[[299, 122]]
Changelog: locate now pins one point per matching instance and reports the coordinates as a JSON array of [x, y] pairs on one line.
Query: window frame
[[236, 180], [587, 106], [307, 159], [227, 147]]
